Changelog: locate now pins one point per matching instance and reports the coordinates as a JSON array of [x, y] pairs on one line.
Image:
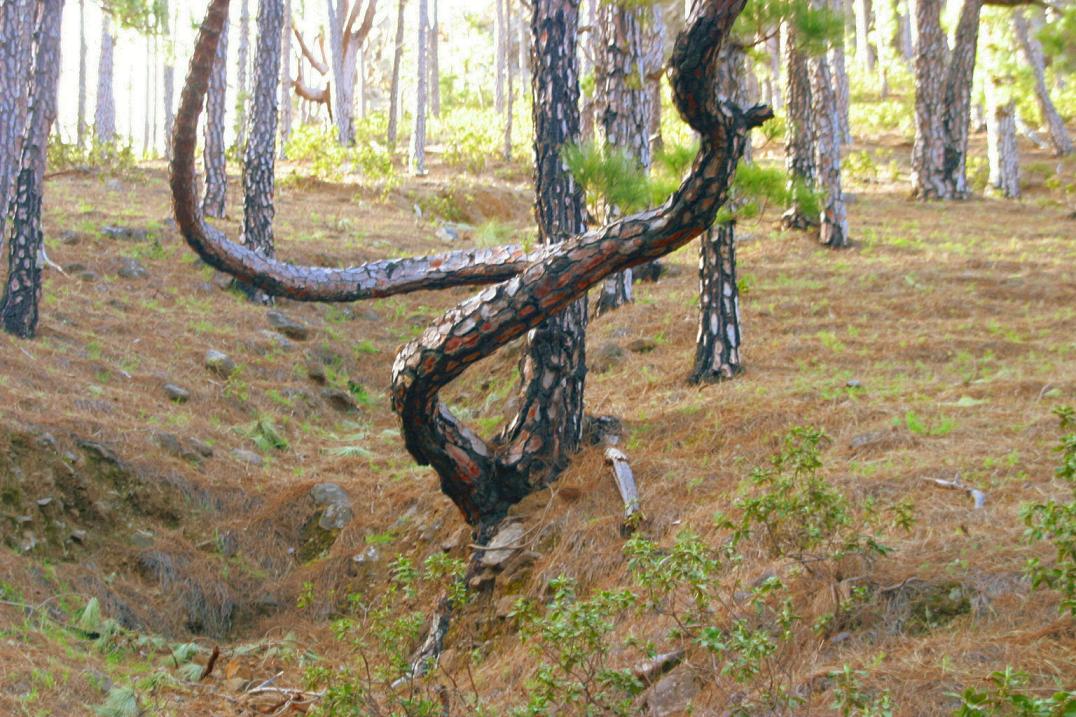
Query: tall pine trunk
[[507, 153], [865, 56], [216, 177], [394, 89], [624, 113], [16, 64], [435, 60], [1032, 51], [259, 160], [285, 81], [22, 293], [169, 80], [418, 137], [104, 119], [242, 91], [500, 55], [1001, 143], [833, 224], [800, 131], [655, 63], [82, 51]]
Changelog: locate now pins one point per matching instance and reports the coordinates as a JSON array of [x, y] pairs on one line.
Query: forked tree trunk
[[624, 113], [833, 224], [16, 65], [394, 88], [800, 131], [943, 101], [216, 176], [242, 93], [418, 137], [82, 50], [285, 82], [260, 156], [484, 479], [22, 293], [1032, 51], [104, 119], [1001, 148]]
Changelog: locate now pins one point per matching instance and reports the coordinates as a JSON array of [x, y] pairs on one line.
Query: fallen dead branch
[[956, 484], [625, 483]]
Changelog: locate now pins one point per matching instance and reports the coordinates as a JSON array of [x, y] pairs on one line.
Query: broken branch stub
[[527, 289]]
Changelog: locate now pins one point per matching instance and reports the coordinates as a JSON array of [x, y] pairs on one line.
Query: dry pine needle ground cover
[[934, 348]]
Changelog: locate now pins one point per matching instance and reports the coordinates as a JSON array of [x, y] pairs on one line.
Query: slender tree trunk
[[773, 48], [16, 66], [500, 59], [82, 50], [104, 120], [22, 293], [833, 224], [589, 54], [800, 132], [655, 62], [147, 131], [508, 98], [285, 82], [907, 32], [216, 176], [943, 101], [523, 42], [169, 80], [1032, 51], [840, 87], [394, 91], [242, 91], [258, 165], [625, 111], [1001, 147], [435, 60], [865, 56], [418, 137]]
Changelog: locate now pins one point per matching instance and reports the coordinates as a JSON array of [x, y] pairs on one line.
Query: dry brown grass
[[936, 302]]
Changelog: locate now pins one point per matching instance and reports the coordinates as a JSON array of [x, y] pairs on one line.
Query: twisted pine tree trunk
[[625, 110], [484, 479], [943, 101], [1032, 51], [800, 132], [260, 154], [104, 119], [216, 176], [22, 293]]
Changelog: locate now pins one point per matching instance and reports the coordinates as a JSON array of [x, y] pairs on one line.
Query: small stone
[[370, 315], [125, 233], [47, 440], [502, 546], [288, 326], [642, 346], [448, 234], [505, 606], [29, 542], [23, 520], [672, 694], [315, 370], [278, 340], [202, 448], [370, 555], [78, 536], [42, 502], [221, 280], [340, 400], [853, 383], [132, 269], [70, 238], [142, 538], [337, 513], [177, 393], [219, 363], [607, 356], [114, 185], [170, 443], [75, 267], [87, 276], [245, 456]]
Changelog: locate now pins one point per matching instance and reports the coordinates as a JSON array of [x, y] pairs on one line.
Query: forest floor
[[935, 348]]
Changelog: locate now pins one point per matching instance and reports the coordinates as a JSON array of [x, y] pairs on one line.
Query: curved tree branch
[[473, 474]]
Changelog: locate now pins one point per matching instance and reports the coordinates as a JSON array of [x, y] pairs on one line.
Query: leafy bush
[[315, 146], [1006, 698], [1055, 523], [113, 157]]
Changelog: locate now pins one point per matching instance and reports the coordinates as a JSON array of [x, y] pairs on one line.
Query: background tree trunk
[[216, 177], [655, 62], [509, 89], [242, 92], [865, 56], [833, 224], [840, 82], [258, 165], [169, 80], [394, 90], [800, 131], [104, 119], [82, 50], [1001, 145], [418, 137], [435, 61], [285, 81], [1032, 51], [147, 130], [500, 55], [625, 111], [22, 293]]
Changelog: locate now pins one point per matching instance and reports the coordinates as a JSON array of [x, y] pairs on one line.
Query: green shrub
[[115, 157]]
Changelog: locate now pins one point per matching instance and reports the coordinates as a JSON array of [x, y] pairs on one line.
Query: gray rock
[[177, 393], [642, 346], [337, 511], [288, 326], [78, 536], [202, 448], [370, 555], [279, 340], [340, 400], [448, 234], [370, 315], [114, 185], [169, 442], [248, 457], [219, 363], [607, 356], [43, 502], [503, 545], [71, 238], [75, 267], [132, 269], [672, 694], [315, 370], [125, 233], [142, 538], [87, 276]]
